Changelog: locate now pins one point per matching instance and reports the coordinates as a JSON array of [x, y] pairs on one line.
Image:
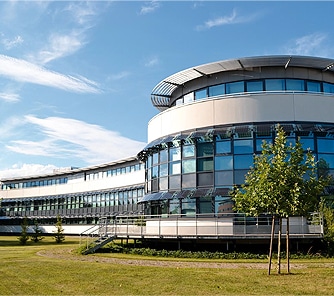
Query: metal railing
[[206, 226]]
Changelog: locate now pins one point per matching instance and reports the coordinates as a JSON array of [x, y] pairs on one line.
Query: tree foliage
[[327, 209], [59, 232], [283, 181], [24, 236], [36, 236]]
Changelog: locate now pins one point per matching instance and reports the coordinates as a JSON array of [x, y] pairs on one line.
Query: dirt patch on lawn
[[67, 254]]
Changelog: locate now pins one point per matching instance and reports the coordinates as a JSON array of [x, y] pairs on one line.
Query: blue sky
[[76, 77]]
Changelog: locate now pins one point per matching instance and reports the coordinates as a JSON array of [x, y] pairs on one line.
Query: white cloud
[[83, 13], [234, 18], [308, 45], [21, 170], [149, 7], [21, 70], [70, 138], [119, 76], [11, 43], [58, 47], [152, 62], [9, 97]]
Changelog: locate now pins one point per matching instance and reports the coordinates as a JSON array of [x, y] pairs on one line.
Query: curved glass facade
[[194, 172], [256, 86]]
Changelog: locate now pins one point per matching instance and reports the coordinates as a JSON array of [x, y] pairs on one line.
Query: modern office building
[[212, 119]]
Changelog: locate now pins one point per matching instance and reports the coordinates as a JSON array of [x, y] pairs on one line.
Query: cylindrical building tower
[[214, 118]]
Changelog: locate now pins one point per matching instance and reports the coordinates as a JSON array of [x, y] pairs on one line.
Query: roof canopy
[[162, 92]]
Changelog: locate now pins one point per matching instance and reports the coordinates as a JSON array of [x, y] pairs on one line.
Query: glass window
[[200, 94], [295, 84], [243, 146], [205, 164], [174, 153], [254, 86], [188, 151], [290, 141], [155, 158], [224, 178], [205, 204], [155, 171], [223, 204], [235, 87], [223, 163], [328, 87], [243, 161], [275, 84], [217, 90], [163, 183], [188, 98], [189, 181], [189, 166], [325, 145], [164, 155], [313, 86], [175, 168], [307, 143], [163, 169], [223, 147], [175, 182], [328, 158], [239, 176], [205, 179], [188, 206], [174, 206], [259, 143], [154, 185], [204, 149], [179, 102]]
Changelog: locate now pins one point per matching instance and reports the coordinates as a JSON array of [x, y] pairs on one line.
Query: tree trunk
[[287, 245], [271, 242], [279, 245]]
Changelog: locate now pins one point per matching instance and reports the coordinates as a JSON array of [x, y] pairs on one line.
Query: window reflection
[[254, 86], [325, 145], [235, 87], [189, 166], [313, 86], [243, 146], [223, 163], [243, 161], [223, 147], [216, 90], [295, 84], [223, 178], [200, 94], [275, 84], [188, 151], [175, 153]]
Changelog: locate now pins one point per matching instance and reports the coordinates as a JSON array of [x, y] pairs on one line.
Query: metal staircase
[[96, 237], [99, 243]]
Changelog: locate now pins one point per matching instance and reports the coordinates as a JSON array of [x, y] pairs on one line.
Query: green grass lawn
[[24, 272]]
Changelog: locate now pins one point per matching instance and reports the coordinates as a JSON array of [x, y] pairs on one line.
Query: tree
[[24, 237], [36, 236], [59, 232], [282, 182], [327, 209]]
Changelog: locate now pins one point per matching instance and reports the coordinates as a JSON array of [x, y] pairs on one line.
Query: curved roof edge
[[162, 92], [69, 172]]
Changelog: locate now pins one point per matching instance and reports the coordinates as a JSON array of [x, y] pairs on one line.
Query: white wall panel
[[130, 179], [246, 108]]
